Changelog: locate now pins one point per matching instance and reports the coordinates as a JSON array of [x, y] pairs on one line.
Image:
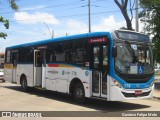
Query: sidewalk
[[156, 93]]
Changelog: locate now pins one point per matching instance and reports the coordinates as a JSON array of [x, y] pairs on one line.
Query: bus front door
[[100, 70], [39, 68]]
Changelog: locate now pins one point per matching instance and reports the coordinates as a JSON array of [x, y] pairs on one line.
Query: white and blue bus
[[114, 66]]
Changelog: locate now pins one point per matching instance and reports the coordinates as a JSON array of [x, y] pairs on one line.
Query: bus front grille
[[134, 95]]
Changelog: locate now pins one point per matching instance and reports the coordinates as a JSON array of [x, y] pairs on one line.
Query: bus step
[[99, 98], [40, 88]]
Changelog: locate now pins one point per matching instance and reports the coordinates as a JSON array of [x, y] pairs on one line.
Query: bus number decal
[[127, 85]]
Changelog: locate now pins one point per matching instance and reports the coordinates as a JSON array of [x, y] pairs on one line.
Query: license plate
[[138, 92]]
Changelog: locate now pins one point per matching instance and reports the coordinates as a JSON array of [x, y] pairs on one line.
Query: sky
[[40, 19]]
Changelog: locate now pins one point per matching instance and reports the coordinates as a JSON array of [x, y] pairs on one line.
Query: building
[[2, 59]]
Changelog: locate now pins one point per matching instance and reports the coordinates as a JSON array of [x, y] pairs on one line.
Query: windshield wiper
[[131, 51]]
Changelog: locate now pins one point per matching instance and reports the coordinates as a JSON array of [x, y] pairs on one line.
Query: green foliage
[[156, 51], [13, 4], [3, 35], [6, 21], [124, 28], [150, 15]]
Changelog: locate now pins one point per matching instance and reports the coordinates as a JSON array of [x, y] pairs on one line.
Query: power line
[[33, 2], [74, 15], [51, 6], [73, 8], [66, 4]]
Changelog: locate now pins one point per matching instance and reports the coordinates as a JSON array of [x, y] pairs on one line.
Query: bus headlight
[[117, 83], [152, 84]]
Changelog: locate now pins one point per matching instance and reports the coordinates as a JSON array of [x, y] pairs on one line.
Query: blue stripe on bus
[[66, 38]]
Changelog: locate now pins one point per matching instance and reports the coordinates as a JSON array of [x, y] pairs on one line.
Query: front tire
[[78, 93]]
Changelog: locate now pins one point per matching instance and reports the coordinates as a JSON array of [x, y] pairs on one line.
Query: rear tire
[[78, 93], [24, 84]]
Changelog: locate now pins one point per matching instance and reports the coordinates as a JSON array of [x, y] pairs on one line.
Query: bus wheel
[[78, 94], [24, 83]]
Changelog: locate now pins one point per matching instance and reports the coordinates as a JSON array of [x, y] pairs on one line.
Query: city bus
[[113, 66]]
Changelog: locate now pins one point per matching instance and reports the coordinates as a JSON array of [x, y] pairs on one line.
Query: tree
[[123, 8], [14, 6], [150, 15]]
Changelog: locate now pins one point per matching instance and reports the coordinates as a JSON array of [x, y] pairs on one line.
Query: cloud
[[73, 26], [108, 24], [33, 8], [34, 18], [105, 24], [141, 25], [25, 33]]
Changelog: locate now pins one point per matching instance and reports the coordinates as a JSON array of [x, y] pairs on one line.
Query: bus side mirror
[[114, 52]]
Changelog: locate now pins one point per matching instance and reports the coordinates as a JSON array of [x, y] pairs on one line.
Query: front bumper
[[119, 94]]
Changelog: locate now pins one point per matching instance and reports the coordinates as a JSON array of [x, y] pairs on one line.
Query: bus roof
[[65, 38]]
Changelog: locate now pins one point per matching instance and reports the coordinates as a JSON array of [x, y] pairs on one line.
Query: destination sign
[[126, 35], [42, 47], [97, 40]]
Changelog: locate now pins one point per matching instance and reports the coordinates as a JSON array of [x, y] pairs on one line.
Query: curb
[[156, 89], [158, 98]]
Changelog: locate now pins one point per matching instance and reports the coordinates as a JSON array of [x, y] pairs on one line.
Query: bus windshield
[[134, 58]]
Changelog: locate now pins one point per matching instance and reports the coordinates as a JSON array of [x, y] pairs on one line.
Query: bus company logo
[[74, 73], [138, 86], [53, 72], [86, 73], [65, 72]]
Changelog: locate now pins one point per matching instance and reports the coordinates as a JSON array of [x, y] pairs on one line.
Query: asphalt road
[[12, 98]]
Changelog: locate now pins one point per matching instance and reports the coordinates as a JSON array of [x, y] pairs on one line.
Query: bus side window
[[50, 54], [68, 56], [14, 59], [79, 51], [29, 56], [52, 57]]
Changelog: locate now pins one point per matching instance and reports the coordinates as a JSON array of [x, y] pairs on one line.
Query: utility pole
[[89, 15], [137, 23], [51, 34]]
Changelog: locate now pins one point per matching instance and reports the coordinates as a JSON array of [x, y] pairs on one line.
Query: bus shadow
[[100, 105]]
